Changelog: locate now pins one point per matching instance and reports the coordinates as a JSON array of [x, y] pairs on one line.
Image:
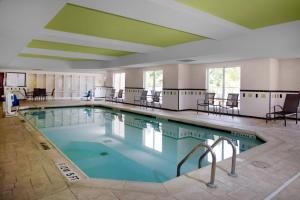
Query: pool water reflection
[[126, 146]]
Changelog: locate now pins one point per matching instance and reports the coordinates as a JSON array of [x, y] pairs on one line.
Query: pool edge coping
[[101, 182]]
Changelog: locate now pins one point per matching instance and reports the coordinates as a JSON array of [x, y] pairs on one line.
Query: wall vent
[[186, 60]]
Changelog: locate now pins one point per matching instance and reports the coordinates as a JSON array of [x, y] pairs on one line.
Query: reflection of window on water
[[223, 150], [152, 139], [118, 127]]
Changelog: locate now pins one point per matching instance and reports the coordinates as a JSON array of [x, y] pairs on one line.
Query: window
[[224, 80], [153, 80], [119, 81]]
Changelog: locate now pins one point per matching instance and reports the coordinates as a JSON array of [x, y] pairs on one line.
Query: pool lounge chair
[[119, 97], [51, 94], [209, 100], [141, 100], [28, 95], [110, 94], [289, 108], [39, 94], [155, 99], [87, 96], [232, 102]]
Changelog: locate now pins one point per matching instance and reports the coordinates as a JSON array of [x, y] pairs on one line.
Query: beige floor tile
[[28, 172]]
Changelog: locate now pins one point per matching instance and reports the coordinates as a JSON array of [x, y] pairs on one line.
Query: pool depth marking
[[67, 171]]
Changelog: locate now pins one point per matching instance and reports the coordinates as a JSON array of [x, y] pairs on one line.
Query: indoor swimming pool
[[110, 144]]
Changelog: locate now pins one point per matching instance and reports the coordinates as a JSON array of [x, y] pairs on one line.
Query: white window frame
[[224, 76], [120, 77], [153, 81]]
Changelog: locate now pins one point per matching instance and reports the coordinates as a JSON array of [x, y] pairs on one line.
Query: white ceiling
[[21, 21]]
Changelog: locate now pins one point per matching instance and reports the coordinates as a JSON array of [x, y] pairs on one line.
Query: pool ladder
[[210, 150]]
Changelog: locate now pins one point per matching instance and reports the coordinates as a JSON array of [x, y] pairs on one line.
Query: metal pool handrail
[[213, 166], [233, 161]]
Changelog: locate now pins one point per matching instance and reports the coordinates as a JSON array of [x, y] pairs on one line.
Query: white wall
[[67, 85], [260, 78], [289, 74]]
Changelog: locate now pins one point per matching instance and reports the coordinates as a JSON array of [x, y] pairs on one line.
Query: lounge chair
[[87, 96], [142, 100], [232, 102], [209, 100], [51, 94], [36, 94], [28, 95], [289, 108], [110, 94], [155, 99], [119, 97]]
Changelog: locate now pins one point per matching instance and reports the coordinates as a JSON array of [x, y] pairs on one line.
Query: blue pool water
[[118, 145]]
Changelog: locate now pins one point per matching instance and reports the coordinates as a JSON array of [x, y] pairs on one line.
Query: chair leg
[[296, 117], [284, 120]]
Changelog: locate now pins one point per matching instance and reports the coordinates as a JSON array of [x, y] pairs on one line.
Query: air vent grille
[[186, 60]]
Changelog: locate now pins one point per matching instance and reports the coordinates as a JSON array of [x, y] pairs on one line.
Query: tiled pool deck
[[29, 172]]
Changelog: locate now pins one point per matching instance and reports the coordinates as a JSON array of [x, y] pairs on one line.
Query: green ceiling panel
[[76, 19], [75, 48], [29, 55], [250, 13]]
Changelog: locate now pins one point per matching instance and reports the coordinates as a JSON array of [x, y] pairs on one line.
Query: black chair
[[209, 100], [28, 95], [51, 94], [232, 102], [155, 99], [119, 97], [110, 94], [87, 96], [43, 94], [36, 94], [290, 108], [142, 100]]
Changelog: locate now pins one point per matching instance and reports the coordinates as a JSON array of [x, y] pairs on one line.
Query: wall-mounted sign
[[15, 79]]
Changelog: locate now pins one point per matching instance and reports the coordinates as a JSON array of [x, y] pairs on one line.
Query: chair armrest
[[277, 106]]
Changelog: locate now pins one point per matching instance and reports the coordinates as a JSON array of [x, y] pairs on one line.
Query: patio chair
[[232, 102], [110, 94], [51, 94], [28, 95], [142, 100], [155, 99], [209, 100], [36, 94], [43, 94], [289, 108], [119, 97], [87, 96]]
